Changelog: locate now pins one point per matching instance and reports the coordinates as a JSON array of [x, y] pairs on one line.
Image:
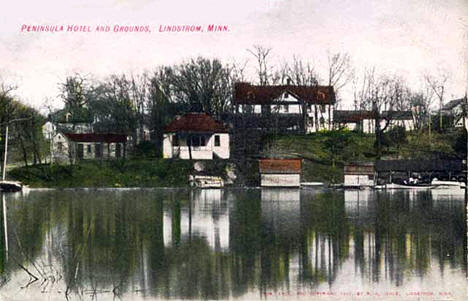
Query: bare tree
[[261, 54], [421, 102], [139, 93], [299, 72], [437, 84], [340, 71], [379, 94]]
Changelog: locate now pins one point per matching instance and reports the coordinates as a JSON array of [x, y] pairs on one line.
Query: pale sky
[[406, 38]]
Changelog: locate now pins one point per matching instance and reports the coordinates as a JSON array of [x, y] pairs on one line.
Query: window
[[118, 150], [322, 108], [286, 108], [80, 151], [322, 121], [266, 109], [197, 141], [89, 148], [98, 150], [217, 141], [286, 95], [176, 142], [59, 146]]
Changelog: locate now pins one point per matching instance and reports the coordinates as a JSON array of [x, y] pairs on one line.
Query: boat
[[198, 181], [311, 184], [10, 186], [435, 184], [404, 186], [448, 184]]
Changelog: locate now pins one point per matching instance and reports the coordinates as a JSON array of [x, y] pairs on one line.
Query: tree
[[75, 93], [397, 136], [26, 133], [420, 103], [202, 84], [340, 71], [263, 70], [379, 94], [113, 106], [437, 84], [139, 93], [161, 106]]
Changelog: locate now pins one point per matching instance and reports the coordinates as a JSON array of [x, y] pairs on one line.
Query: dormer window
[[321, 95]]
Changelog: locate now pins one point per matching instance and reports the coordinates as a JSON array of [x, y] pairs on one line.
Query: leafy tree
[[202, 84], [75, 93]]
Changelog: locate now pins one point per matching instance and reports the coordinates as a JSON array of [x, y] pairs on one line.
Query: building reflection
[[206, 216]]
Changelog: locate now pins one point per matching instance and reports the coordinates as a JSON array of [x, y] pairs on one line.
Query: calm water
[[245, 243]]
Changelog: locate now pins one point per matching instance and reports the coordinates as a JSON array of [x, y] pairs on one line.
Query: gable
[[286, 98]]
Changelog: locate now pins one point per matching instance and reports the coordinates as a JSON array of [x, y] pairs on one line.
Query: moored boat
[[10, 186]]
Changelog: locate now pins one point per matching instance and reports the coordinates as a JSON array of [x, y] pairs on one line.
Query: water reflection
[[232, 243]]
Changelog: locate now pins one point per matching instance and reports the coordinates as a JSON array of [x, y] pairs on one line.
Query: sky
[[404, 38]]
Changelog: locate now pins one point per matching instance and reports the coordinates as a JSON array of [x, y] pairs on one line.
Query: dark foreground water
[[223, 244]]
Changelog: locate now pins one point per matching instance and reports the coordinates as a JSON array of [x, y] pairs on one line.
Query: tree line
[[129, 104]]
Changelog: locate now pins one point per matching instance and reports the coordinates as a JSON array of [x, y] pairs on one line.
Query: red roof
[[107, 138], [283, 166], [245, 93], [352, 116], [195, 122]]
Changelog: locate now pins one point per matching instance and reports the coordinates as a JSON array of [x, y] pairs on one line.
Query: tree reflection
[[223, 244]]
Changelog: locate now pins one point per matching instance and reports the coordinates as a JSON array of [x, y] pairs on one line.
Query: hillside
[[325, 153]]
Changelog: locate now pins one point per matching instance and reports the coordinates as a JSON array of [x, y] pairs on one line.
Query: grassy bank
[[325, 153], [128, 173]]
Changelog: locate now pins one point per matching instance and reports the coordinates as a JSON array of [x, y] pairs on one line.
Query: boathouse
[[280, 172], [359, 174], [391, 170]]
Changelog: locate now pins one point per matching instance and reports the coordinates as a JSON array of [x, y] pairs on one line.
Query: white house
[[455, 109], [280, 172], [359, 120], [196, 136], [67, 147], [284, 100]]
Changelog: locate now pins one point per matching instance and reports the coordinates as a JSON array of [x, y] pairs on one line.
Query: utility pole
[[5, 154]]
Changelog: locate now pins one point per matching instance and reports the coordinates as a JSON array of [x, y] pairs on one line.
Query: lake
[[134, 244]]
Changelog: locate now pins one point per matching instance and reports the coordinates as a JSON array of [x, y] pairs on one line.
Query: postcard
[[250, 150]]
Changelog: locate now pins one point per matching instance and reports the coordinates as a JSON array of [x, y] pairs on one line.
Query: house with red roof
[[280, 172], [70, 147], [196, 136], [313, 104], [361, 120]]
